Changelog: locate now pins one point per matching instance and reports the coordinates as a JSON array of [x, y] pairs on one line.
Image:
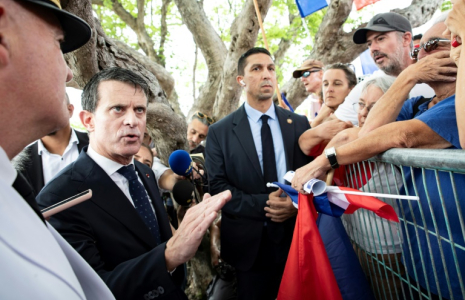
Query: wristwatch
[[331, 156]]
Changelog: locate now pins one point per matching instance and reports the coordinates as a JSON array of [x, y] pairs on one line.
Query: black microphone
[[183, 192]]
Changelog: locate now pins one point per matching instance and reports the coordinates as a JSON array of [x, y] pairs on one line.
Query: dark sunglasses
[[307, 73], [204, 116], [428, 46]]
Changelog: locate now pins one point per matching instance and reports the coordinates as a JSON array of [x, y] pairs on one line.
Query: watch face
[[330, 151]]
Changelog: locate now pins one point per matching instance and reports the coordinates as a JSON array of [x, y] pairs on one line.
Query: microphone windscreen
[[183, 192], [180, 162]]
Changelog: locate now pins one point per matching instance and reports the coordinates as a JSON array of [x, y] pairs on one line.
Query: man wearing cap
[[311, 74], [36, 263], [389, 38]]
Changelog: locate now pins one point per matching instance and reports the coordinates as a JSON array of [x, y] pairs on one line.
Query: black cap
[[77, 31], [383, 23]]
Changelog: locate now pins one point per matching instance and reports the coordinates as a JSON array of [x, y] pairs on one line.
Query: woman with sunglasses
[[338, 81], [456, 26]]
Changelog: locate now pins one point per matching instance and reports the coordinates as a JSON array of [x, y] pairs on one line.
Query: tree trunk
[[244, 32], [101, 52], [332, 44], [213, 50]]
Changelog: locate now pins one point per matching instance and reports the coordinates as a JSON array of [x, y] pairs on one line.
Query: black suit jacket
[[31, 164], [232, 163], [109, 233]]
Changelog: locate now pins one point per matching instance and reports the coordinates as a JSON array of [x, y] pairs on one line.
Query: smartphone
[[65, 204]]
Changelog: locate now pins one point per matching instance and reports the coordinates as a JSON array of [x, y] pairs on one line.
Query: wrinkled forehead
[[436, 31]]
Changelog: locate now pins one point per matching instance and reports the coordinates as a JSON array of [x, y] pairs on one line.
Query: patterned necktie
[[269, 162], [141, 200]]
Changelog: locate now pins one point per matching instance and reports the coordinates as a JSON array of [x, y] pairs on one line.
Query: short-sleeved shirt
[[441, 118]]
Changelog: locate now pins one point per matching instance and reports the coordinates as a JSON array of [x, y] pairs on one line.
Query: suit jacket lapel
[[286, 122], [109, 197], [149, 182], [244, 135]]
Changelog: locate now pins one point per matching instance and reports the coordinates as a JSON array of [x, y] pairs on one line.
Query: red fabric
[[308, 273], [359, 4], [370, 203]]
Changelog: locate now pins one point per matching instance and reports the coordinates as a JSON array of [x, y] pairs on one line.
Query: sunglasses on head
[[204, 116], [428, 46], [307, 73]]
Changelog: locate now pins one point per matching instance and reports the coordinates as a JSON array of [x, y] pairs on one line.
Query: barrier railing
[[423, 256]]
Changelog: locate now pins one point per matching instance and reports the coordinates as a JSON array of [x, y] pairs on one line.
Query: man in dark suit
[[123, 231], [42, 160], [243, 153]]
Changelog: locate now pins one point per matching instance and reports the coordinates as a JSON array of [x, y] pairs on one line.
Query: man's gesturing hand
[[183, 245]]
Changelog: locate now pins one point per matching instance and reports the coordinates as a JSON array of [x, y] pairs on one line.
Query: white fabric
[[371, 232], [35, 263], [54, 163], [111, 168], [158, 168], [346, 112]]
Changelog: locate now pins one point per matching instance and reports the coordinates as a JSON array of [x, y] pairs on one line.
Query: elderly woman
[[372, 234], [456, 26], [338, 80]]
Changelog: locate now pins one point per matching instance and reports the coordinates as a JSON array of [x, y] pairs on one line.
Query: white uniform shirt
[[36, 263], [54, 163]]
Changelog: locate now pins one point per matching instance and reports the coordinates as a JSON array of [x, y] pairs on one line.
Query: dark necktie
[[275, 230], [269, 162], [141, 200]]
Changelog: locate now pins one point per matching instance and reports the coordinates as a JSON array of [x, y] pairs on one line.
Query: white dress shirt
[[54, 163], [255, 122], [111, 168]]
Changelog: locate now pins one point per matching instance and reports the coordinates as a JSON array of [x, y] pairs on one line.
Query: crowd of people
[[131, 241]]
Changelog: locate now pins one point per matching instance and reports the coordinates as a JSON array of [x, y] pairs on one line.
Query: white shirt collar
[[7, 172], [255, 115], [73, 139], [109, 166]]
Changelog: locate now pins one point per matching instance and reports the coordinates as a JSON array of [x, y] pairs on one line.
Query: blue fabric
[[255, 122], [291, 192], [368, 64], [442, 119], [141, 200], [322, 205], [345, 264], [308, 7], [286, 102]]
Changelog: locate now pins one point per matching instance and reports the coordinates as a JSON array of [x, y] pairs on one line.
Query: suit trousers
[[262, 281]]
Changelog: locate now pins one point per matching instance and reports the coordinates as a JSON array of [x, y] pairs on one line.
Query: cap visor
[[360, 36], [77, 31]]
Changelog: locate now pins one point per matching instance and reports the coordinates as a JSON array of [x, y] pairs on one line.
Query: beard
[[393, 66]]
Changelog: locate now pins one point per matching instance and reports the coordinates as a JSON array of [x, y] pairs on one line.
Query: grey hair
[[381, 82], [90, 96]]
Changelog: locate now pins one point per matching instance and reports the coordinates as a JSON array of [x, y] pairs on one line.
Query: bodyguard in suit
[[123, 232], [254, 145], [42, 160], [35, 261]]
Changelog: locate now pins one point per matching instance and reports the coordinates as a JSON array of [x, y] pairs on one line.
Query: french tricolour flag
[[322, 263]]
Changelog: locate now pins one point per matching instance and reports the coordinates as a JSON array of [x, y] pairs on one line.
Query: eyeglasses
[[428, 46], [307, 73], [200, 115], [359, 106]]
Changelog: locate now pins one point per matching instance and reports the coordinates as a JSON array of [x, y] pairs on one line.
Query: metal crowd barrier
[[423, 256]]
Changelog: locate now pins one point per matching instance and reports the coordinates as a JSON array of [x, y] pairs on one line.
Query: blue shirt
[[255, 122], [441, 118]]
